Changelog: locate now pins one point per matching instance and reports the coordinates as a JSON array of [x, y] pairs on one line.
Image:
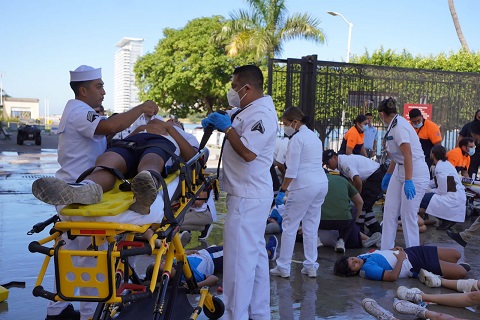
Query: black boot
[[445, 225], [375, 227]]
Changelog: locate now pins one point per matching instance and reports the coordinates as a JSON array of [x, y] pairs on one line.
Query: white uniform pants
[[303, 205], [397, 205], [246, 279], [86, 308]]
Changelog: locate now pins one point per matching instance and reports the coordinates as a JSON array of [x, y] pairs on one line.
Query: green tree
[[265, 27], [188, 72]]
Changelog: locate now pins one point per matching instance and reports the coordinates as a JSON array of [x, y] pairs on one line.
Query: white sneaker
[[144, 191], [340, 246], [319, 242], [276, 272], [57, 192], [413, 294], [410, 308], [374, 238], [185, 237], [429, 279], [373, 308], [311, 273]]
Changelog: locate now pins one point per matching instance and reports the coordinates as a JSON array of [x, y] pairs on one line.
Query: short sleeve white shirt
[[257, 126], [78, 146], [399, 132], [304, 160], [356, 165]]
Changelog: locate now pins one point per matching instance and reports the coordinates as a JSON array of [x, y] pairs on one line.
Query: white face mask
[[471, 151], [418, 125], [289, 130], [365, 128], [233, 97]]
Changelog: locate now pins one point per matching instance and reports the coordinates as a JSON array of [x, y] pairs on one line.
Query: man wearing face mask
[[467, 132], [353, 140], [250, 132], [460, 156], [428, 133]]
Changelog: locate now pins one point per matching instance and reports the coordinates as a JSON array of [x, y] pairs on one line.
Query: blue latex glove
[[409, 189], [220, 121], [206, 122], [279, 198], [386, 181]]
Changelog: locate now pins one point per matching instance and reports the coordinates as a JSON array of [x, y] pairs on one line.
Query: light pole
[[350, 26]]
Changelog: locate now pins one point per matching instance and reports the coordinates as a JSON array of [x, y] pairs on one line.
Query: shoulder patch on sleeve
[[258, 126], [92, 115]]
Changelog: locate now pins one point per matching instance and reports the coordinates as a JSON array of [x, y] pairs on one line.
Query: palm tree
[[456, 23], [264, 28]]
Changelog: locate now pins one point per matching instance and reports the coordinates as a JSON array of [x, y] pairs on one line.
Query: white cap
[[85, 73]]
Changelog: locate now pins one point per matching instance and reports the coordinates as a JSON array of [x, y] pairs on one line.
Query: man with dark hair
[[460, 156], [467, 132], [81, 140], [371, 137], [250, 132], [428, 133]]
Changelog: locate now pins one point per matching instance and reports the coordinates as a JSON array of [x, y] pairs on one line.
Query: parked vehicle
[[29, 132]]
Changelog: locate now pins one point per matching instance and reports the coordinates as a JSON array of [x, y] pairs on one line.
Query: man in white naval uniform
[[250, 131], [81, 140]]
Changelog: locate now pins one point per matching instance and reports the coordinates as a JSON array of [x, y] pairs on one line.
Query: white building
[[24, 109], [125, 92]]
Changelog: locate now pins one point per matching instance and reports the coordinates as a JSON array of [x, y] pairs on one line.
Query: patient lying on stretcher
[[155, 144]]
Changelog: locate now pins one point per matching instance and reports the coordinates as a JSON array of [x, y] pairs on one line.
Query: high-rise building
[[125, 92]]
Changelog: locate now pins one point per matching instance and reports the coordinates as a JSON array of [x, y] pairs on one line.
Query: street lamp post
[[350, 26]]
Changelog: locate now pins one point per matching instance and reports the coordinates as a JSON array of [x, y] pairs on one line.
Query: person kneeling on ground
[[390, 265], [145, 165]]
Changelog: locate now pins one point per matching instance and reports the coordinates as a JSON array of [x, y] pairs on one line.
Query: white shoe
[[276, 272], [407, 307], [413, 294], [144, 191], [57, 192], [311, 273], [340, 246], [185, 237], [373, 308], [374, 238], [429, 279], [319, 242]]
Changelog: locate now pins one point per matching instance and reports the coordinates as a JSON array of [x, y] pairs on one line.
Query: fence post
[[308, 87]]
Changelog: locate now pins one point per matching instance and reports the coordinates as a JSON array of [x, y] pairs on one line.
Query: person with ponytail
[[407, 177], [307, 187]]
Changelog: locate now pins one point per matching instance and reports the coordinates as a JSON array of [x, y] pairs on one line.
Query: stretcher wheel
[[219, 309]]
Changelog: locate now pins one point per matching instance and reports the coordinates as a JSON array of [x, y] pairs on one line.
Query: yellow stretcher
[[118, 286]]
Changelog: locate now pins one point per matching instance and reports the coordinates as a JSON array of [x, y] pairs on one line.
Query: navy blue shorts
[[132, 157], [424, 257], [426, 200], [216, 253]]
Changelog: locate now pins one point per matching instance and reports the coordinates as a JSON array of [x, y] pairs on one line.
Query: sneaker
[[311, 273], [144, 191], [185, 237], [340, 246], [277, 272], [429, 279], [456, 236], [413, 294], [319, 242], [373, 308], [67, 314], [374, 238], [407, 307], [272, 244], [57, 192], [206, 232]]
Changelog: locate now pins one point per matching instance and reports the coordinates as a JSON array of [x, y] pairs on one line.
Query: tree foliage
[[188, 71], [461, 61], [265, 27]]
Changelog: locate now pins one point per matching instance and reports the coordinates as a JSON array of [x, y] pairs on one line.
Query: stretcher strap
[[167, 205]]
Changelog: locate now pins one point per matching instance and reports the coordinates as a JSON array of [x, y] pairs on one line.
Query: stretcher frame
[[114, 278]]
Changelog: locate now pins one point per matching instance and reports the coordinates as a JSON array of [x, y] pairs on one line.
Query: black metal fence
[[334, 93]]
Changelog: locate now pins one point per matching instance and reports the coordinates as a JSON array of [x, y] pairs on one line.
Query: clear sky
[[40, 41]]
